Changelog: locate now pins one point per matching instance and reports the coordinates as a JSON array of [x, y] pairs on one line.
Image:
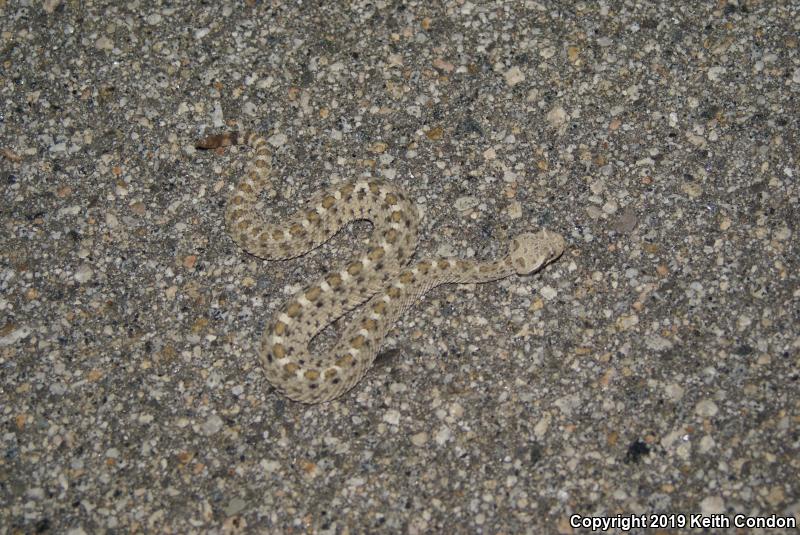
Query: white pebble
[[547, 52], [743, 322], [442, 435], [657, 343], [514, 76], [594, 212], [392, 417], [217, 117], [50, 5], [674, 391], [465, 203], [548, 292], [419, 439], [706, 444], [610, 207], [715, 72], [270, 466], [35, 493], [712, 505], [783, 233], [556, 117], [104, 43], [706, 408], [83, 273], [212, 425], [278, 140]]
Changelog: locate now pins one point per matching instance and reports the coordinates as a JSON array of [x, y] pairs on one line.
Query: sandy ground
[[652, 370]]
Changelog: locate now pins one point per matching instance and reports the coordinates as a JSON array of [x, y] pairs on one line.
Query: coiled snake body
[[379, 279]]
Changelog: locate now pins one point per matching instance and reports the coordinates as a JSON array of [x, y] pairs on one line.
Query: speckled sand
[[652, 369]]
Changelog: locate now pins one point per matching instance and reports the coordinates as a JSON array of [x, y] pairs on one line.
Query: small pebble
[[84, 273], [514, 76], [706, 408], [212, 425]]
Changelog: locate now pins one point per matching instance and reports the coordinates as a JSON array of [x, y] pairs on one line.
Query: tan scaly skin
[[379, 279]]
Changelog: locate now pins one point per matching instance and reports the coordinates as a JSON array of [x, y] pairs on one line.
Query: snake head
[[531, 251]]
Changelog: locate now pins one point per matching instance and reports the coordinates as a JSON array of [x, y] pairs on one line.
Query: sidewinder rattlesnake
[[378, 279]]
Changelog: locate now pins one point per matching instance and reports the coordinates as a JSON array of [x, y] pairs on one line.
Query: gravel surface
[[652, 369]]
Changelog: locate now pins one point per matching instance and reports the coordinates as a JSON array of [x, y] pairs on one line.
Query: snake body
[[379, 280]]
